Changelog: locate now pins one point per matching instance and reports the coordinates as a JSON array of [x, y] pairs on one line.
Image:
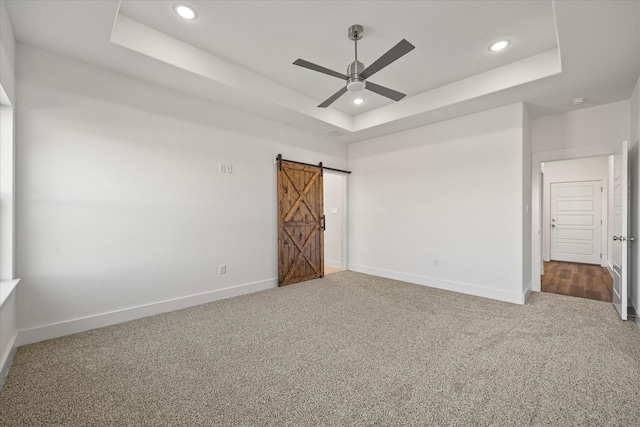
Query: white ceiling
[[240, 53]]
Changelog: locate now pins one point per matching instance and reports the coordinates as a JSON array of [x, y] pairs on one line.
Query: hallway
[[578, 280]]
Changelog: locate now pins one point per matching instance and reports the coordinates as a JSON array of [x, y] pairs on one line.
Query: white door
[[576, 221], [620, 227]]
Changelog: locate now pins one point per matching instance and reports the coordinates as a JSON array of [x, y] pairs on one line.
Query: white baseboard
[[335, 263], [55, 330], [464, 288], [7, 358]]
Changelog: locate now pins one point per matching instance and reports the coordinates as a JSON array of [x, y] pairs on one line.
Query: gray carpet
[[349, 349]]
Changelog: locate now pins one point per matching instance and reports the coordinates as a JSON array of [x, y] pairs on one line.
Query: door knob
[[616, 238], [553, 225]]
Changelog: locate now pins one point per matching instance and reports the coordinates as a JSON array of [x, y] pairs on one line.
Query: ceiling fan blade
[[385, 91], [333, 97], [319, 68], [401, 49]]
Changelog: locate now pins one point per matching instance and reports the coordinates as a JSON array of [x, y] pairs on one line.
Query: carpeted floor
[[349, 349]]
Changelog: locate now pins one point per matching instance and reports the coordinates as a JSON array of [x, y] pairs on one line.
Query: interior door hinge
[[600, 256], [601, 189]]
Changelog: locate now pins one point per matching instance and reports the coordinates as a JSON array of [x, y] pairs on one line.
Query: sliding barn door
[[300, 223]]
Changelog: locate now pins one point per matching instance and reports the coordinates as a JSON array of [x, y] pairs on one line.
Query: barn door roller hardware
[[280, 159]]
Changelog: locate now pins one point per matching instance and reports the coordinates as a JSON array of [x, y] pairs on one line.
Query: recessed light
[[358, 101], [497, 46], [186, 12]]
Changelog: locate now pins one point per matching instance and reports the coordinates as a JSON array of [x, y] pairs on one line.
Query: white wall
[[123, 212], [581, 128], [634, 161], [8, 328], [7, 54], [335, 186], [7, 145], [452, 191], [7, 334]]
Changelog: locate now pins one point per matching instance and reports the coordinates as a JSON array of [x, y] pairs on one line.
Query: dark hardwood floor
[[577, 280]]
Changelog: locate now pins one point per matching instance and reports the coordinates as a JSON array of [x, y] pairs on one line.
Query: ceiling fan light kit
[[355, 83], [357, 73]]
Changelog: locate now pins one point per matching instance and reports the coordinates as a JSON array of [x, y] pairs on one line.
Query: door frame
[[536, 201]]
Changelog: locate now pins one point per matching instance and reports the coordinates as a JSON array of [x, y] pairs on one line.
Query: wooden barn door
[[300, 223]]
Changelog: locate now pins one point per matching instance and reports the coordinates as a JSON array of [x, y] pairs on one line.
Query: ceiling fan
[[357, 75]]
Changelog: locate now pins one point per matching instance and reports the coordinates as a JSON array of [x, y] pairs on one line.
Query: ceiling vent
[[334, 133]]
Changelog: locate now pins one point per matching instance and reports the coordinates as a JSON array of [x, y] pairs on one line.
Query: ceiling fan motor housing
[[355, 82]]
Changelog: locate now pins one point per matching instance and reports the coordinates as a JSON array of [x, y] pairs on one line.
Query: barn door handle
[[324, 222]]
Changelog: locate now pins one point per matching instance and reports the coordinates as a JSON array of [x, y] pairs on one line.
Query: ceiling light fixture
[[578, 101], [186, 12], [358, 101], [357, 74], [497, 46]]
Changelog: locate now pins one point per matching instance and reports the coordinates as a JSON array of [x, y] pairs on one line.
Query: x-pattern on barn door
[[300, 223]]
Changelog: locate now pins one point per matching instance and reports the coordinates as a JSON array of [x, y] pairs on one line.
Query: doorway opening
[[617, 211], [312, 199], [575, 212], [335, 211], [7, 184]]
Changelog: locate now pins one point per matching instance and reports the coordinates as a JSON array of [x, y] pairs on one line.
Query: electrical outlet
[[229, 168], [436, 262], [222, 268], [223, 168]]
